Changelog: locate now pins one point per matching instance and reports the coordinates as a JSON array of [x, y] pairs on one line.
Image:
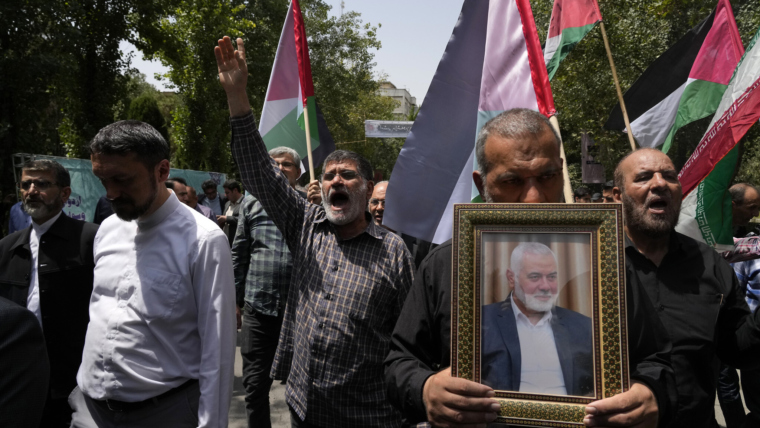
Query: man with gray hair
[[518, 161], [48, 269], [529, 344], [263, 267]]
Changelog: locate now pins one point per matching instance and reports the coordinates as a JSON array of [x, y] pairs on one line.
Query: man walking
[[160, 344], [263, 267], [350, 277], [47, 268], [228, 221]]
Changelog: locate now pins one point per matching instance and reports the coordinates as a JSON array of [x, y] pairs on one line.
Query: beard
[[127, 209], [532, 301], [42, 209], [356, 206], [638, 217]]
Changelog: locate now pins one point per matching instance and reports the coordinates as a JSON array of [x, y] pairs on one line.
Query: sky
[[413, 33]]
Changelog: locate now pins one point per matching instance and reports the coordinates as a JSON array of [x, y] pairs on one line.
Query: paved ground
[[279, 409]]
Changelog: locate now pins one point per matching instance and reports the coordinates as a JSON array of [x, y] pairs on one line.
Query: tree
[[145, 109]]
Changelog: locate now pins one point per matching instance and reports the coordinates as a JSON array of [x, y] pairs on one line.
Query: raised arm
[[258, 171]]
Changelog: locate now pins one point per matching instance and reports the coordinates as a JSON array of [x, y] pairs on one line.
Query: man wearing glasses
[[48, 269], [263, 265], [377, 204]]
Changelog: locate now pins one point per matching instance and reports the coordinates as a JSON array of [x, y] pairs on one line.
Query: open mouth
[[339, 200], [658, 206]]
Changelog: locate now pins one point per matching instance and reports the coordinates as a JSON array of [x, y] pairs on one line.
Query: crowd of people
[[132, 322]]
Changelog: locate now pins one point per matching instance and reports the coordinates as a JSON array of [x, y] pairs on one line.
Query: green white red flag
[[685, 83], [290, 89], [706, 176], [570, 22]]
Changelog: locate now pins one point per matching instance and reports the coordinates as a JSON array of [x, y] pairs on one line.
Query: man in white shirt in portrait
[[159, 350], [529, 343]]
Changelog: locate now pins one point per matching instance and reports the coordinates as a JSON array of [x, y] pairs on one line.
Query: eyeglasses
[[286, 165], [38, 184], [375, 202], [346, 175]]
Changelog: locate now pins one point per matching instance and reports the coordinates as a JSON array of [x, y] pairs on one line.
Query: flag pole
[[617, 87], [567, 190], [308, 142]]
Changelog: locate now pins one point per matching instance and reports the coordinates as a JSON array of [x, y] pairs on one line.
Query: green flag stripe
[[700, 99], [569, 38], [288, 133], [714, 202], [311, 107]]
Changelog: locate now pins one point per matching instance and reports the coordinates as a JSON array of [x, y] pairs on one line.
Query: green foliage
[[145, 109], [639, 31]]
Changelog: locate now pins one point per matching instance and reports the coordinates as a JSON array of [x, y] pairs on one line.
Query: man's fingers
[[219, 57], [468, 388], [241, 47]]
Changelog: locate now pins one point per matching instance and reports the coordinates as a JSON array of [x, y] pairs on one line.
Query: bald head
[[745, 203], [646, 181]]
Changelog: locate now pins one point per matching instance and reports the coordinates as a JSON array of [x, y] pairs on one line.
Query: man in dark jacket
[[519, 161], [48, 269]]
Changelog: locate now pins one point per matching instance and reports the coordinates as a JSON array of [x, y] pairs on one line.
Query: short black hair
[[208, 184], [62, 177], [169, 183], [232, 184], [180, 180], [131, 136], [362, 165], [581, 192], [609, 185]]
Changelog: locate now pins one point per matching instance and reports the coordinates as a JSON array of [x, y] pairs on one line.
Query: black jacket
[[65, 275], [24, 365], [420, 344], [219, 197]]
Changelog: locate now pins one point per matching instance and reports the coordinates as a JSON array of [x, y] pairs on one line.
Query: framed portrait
[[538, 307]]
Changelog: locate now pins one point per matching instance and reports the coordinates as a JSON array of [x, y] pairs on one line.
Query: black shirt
[[420, 345], [699, 301]]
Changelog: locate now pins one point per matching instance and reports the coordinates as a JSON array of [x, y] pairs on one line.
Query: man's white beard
[[43, 210], [356, 208], [532, 302]]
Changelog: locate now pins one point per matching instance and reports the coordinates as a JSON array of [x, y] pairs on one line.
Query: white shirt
[[33, 299], [162, 311], [540, 372]]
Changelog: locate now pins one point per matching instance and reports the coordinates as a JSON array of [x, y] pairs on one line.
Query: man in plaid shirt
[[263, 265], [349, 281]]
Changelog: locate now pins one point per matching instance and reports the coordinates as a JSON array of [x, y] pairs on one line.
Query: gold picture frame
[[596, 232]]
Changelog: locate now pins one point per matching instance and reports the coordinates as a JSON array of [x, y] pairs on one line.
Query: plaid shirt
[[261, 261], [345, 298]]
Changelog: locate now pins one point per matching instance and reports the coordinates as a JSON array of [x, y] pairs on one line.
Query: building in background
[[406, 103]]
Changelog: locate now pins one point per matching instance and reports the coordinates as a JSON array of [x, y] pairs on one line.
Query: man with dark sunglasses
[[349, 281], [48, 269]]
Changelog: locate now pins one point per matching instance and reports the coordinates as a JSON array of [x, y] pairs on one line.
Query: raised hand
[[233, 74]]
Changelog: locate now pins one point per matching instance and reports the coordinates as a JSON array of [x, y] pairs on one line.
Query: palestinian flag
[[706, 176], [290, 89], [492, 63], [685, 84], [570, 22]]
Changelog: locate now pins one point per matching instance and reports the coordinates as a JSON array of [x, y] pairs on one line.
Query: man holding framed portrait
[[519, 161]]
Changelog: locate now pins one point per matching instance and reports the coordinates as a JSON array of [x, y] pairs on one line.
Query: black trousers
[[259, 343]]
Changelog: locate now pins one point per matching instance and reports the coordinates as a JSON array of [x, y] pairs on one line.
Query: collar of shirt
[[160, 214], [521, 317], [40, 229], [674, 246], [372, 229]]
